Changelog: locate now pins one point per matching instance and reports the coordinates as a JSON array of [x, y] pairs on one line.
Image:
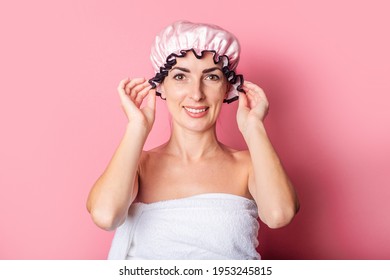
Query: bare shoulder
[[150, 155], [240, 170], [240, 155]]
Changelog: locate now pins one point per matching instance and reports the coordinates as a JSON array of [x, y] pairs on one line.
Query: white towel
[[205, 226]]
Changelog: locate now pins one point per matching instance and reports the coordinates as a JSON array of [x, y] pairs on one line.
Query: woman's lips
[[196, 112]]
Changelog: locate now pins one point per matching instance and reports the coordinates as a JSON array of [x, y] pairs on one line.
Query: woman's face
[[194, 90]]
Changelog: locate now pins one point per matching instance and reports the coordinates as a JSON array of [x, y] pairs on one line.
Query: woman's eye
[[178, 77], [212, 77]]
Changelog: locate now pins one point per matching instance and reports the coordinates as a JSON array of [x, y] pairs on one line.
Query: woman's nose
[[197, 91]]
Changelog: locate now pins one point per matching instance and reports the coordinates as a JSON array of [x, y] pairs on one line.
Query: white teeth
[[195, 111]]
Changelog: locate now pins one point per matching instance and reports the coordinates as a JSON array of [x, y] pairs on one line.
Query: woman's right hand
[[132, 93]]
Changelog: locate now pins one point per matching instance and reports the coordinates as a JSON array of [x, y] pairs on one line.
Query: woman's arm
[[115, 190], [268, 182]]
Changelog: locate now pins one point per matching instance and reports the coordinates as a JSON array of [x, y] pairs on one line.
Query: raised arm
[[115, 190], [268, 182]]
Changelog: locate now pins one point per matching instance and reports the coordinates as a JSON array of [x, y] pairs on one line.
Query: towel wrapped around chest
[[200, 227]]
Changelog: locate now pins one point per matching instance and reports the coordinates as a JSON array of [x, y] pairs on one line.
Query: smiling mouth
[[196, 110]]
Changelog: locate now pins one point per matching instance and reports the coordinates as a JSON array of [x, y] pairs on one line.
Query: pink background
[[324, 65]]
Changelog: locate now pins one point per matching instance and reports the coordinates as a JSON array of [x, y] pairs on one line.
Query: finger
[[125, 101], [254, 90], [122, 84], [242, 100], [134, 82], [142, 94], [121, 90], [248, 85], [126, 86], [252, 86], [151, 102], [137, 89]]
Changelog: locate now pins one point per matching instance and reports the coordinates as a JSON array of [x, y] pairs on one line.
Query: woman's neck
[[192, 145]]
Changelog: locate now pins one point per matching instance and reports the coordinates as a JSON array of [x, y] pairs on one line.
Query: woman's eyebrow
[[211, 70], [181, 69], [208, 70]]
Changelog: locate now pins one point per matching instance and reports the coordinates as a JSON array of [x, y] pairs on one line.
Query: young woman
[[193, 197]]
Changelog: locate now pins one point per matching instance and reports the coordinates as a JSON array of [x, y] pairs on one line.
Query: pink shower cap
[[183, 36]]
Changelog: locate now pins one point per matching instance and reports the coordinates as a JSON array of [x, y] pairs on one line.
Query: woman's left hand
[[252, 107]]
